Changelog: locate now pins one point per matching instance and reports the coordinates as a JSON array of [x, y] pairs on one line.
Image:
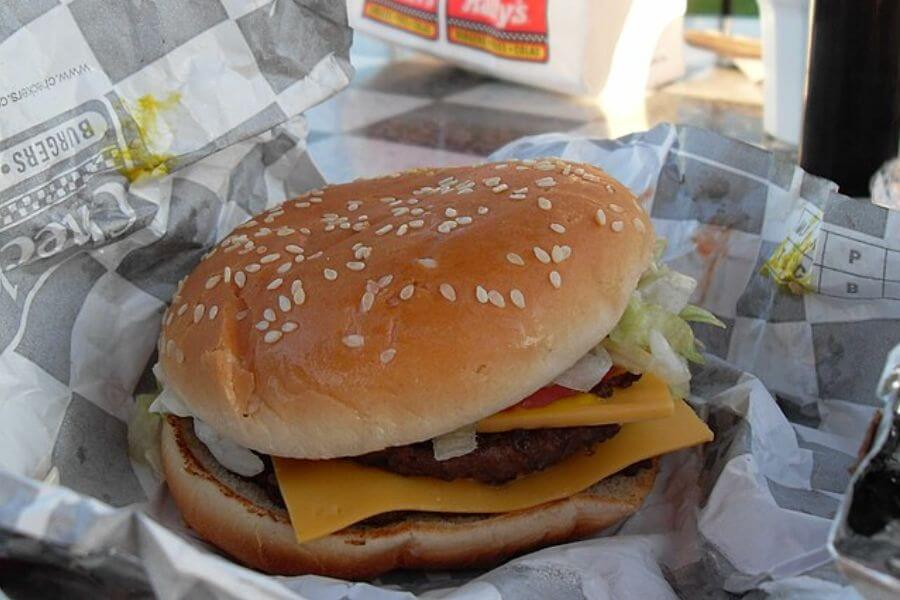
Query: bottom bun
[[239, 518]]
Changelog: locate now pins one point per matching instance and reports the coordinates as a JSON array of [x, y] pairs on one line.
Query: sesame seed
[[384, 229], [481, 294], [407, 291], [329, 228], [557, 228], [615, 208], [545, 182], [416, 212], [182, 309], [299, 258], [428, 263], [275, 284], [545, 165], [450, 212], [412, 201], [352, 206], [179, 355], [446, 226], [591, 177], [521, 168], [401, 231], [523, 190], [600, 216], [284, 303], [517, 196], [501, 166], [169, 345], [354, 340], [241, 315], [541, 255], [285, 231], [262, 250], [387, 356], [213, 311], [305, 230], [385, 281], [262, 325], [544, 203], [400, 211], [289, 326], [363, 217], [491, 181], [555, 279], [284, 268], [269, 315], [464, 191], [396, 203], [638, 224], [359, 226], [316, 192], [560, 253], [448, 292], [270, 258], [299, 297], [355, 265], [212, 282], [293, 249], [515, 259], [610, 188], [496, 298], [464, 220], [617, 226], [447, 180], [500, 188], [262, 232], [483, 210], [517, 298], [368, 299], [315, 255], [169, 316], [387, 199], [302, 205], [417, 223], [198, 312], [330, 274], [272, 336], [226, 275]]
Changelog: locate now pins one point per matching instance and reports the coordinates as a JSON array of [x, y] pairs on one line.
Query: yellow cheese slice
[[649, 398], [324, 496]]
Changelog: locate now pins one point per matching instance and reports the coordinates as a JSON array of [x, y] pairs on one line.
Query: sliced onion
[[587, 372], [233, 457], [456, 443]]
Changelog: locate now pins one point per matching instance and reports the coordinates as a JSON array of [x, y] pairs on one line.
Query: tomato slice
[[553, 392], [546, 395]]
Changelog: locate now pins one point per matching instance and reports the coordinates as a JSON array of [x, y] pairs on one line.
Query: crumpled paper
[[788, 389]]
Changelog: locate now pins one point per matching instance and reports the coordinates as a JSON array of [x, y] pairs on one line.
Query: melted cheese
[[649, 398], [324, 496]]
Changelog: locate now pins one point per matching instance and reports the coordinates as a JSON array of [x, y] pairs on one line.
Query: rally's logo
[[512, 29], [418, 17]]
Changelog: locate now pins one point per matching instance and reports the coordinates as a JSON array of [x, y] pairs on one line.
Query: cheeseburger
[[437, 369]]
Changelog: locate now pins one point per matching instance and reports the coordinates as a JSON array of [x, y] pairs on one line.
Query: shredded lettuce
[[654, 334], [144, 430]]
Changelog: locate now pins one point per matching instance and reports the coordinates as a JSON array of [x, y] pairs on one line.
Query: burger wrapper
[[94, 237]]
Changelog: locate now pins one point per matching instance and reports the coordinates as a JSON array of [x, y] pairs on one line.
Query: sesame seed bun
[[237, 517], [389, 311]]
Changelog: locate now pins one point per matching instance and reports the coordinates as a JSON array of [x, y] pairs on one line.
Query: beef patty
[[499, 457]]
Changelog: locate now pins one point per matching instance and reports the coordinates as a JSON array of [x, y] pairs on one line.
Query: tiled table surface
[[404, 110]]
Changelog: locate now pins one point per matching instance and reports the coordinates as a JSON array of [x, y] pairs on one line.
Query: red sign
[[418, 17], [513, 29]]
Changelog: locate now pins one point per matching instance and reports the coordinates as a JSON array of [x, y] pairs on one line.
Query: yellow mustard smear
[[143, 157]]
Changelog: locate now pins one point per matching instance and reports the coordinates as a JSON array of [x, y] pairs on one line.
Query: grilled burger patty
[[499, 457]]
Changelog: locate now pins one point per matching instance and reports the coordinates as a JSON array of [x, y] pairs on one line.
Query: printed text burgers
[[436, 369]]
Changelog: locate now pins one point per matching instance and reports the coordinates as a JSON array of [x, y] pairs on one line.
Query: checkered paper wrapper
[[748, 513]]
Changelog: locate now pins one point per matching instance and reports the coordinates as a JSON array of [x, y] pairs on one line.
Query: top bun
[[389, 311]]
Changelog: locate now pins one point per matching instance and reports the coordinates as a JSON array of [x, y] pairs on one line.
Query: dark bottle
[[852, 120]]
